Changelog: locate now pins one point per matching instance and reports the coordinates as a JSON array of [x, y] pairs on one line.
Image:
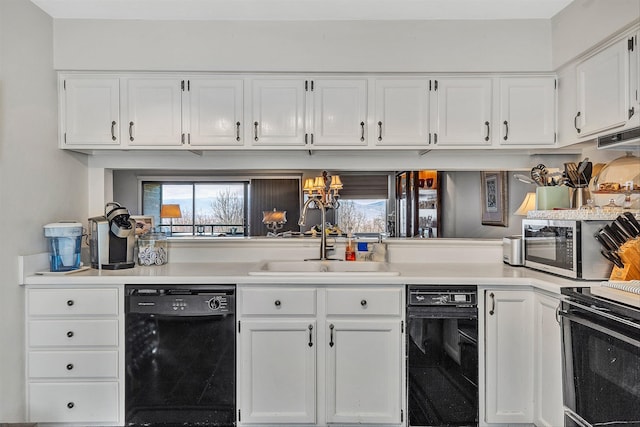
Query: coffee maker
[[112, 240]]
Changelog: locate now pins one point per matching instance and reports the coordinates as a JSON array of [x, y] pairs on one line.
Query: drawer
[[73, 364], [73, 402], [278, 301], [73, 302], [73, 333], [381, 302]]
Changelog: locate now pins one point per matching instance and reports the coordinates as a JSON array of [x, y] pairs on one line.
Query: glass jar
[[153, 249]]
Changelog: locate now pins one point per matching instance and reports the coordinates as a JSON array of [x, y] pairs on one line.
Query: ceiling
[[301, 10]]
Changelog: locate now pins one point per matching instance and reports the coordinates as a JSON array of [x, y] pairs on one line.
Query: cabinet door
[[548, 363], [402, 112], [215, 112], [90, 111], [278, 112], [339, 112], [509, 356], [278, 371], [364, 371], [527, 111], [603, 90], [153, 114], [462, 111]]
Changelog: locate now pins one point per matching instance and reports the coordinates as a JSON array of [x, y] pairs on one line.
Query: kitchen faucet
[[323, 234]]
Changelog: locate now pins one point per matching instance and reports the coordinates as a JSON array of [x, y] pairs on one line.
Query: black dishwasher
[[442, 355], [180, 355]]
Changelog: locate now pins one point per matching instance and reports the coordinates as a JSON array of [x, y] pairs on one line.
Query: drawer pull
[[69, 366], [363, 303], [70, 302], [70, 405], [277, 303], [70, 334], [310, 335]]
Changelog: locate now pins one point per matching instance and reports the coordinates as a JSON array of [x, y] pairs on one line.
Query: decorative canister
[[153, 249]]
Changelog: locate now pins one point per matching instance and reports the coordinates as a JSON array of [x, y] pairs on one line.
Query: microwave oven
[[565, 247]]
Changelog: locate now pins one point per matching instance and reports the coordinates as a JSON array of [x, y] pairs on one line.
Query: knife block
[[630, 256]]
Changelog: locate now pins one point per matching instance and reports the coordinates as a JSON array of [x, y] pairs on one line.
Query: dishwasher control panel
[[180, 301], [465, 296]]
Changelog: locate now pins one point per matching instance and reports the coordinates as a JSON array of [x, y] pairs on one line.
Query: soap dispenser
[[349, 253]]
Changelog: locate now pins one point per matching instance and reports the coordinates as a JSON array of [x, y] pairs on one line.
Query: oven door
[[601, 364]]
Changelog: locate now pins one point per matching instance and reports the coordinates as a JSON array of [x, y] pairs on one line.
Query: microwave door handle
[[595, 326]]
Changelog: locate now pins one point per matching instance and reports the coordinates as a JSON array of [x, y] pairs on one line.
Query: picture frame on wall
[[494, 198], [144, 224]]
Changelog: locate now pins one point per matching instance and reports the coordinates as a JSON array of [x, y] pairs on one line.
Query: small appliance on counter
[[64, 241], [512, 250], [113, 238]]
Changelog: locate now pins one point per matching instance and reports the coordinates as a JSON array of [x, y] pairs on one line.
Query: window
[[207, 208], [363, 204]]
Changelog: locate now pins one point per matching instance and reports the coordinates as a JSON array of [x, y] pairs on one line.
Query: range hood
[[624, 140]]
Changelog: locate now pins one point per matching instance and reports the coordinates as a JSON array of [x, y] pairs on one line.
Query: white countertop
[[493, 274]]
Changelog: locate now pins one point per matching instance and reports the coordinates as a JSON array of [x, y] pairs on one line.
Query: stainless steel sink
[[336, 268]]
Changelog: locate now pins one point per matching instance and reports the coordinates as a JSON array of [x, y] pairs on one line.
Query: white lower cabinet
[[338, 360], [278, 364], [509, 352], [548, 362], [74, 355], [363, 371]]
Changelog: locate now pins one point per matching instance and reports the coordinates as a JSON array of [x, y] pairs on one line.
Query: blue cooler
[[64, 241]]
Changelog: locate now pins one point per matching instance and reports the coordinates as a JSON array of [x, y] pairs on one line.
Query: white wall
[[362, 46], [38, 183], [585, 23]]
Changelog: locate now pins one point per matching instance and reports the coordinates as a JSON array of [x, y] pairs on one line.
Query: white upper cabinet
[[278, 112], [462, 111], [213, 113], [91, 111], [401, 112], [603, 84], [153, 112], [339, 112], [527, 111]]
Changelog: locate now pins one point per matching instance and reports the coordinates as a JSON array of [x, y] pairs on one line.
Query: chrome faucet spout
[[323, 222]]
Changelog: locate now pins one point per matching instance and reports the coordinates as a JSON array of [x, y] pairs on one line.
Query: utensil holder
[[552, 197]]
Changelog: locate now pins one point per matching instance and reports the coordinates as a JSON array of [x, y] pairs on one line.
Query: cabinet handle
[[131, 131], [69, 366], [310, 335], [70, 405], [362, 131], [311, 134], [238, 131], [506, 130], [379, 131], [70, 334], [113, 130], [363, 303], [255, 131], [182, 140], [575, 122], [277, 303], [435, 138], [558, 315], [493, 303], [331, 335], [70, 302], [306, 138], [486, 138]]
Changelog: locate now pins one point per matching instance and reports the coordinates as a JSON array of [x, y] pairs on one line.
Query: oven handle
[[589, 324], [596, 311]]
